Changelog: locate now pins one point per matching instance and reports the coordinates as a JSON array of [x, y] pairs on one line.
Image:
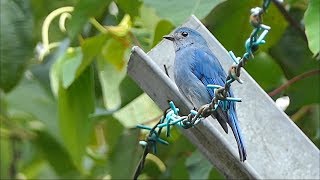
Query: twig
[[290, 19], [140, 166], [135, 40], [293, 80]]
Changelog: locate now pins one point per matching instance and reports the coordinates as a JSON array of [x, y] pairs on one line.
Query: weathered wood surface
[[276, 147]]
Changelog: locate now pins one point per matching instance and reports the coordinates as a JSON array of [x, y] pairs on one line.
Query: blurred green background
[[68, 109]]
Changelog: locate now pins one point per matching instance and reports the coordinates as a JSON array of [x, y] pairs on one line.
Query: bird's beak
[[169, 37]]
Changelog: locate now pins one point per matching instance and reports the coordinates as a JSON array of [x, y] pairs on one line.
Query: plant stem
[[135, 40], [98, 26], [301, 113], [293, 80]]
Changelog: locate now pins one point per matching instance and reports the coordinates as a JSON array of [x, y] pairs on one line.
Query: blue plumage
[[195, 67]]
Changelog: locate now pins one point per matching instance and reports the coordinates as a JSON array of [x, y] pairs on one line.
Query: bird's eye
[[184, 34]]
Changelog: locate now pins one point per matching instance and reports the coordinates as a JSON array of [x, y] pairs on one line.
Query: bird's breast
[[188, 84]]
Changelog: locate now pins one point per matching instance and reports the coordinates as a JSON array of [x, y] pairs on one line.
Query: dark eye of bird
[[184, 34]]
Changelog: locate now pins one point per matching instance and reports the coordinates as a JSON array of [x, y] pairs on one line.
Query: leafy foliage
[[84, 9], [70, 115], [312, 20], [16, 41], [178, 11]]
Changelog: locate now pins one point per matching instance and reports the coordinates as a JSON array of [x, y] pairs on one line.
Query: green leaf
[[296, 3], [56, 74], [34, 166], [295, 60], [113, 51], [113, 131], [38, 104], [149, 18], [175, 156], [215, 174], [140, 110], [125, 155], [16, 41], [163, 27], [6, 155], [70, 63], [64, 69], [229, 23], [129, 90], [56, 155], [105, 139], [91, 47], [110, 78], [40, 169], [265, 71], [312, 25], [74, 106], [84, 10], [130, 7], [151, 168], [309, 122], [3, 104], [179, 11], [198, 166], [148, 21], [304, 92], [74, 61], [179, 170]]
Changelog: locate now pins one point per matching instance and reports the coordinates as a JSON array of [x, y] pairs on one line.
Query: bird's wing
[[209, 71]]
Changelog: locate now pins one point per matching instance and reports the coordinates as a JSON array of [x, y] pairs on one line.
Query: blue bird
[[195, 67]]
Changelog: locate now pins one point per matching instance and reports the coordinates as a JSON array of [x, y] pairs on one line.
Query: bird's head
[[184, 37]]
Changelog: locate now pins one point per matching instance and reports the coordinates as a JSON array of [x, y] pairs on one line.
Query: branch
[[293, 80], [290, 19]]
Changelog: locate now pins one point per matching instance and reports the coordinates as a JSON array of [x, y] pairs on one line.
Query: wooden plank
[[276, 147]]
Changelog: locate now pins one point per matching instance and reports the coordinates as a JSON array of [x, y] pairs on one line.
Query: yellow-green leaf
[[75, 60], [163, 27], [113, 51], [110, 78], [74, 106], [123, 28], [140, 110], [312, 25], [84, 10], [179, 10]]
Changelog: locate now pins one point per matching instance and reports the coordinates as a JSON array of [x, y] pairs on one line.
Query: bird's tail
[[233, 122]]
